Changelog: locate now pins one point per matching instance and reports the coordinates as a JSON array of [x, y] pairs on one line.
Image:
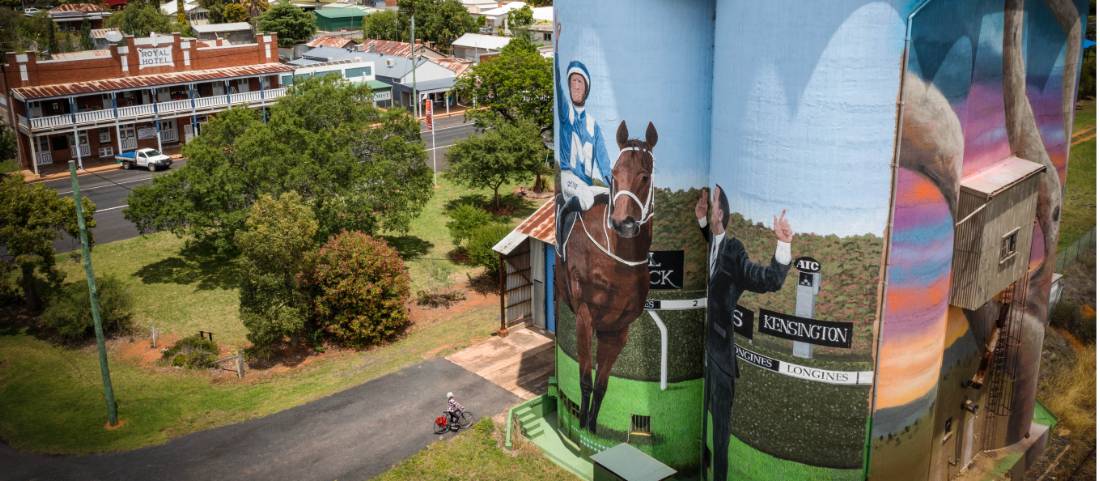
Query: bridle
[[646, 207]]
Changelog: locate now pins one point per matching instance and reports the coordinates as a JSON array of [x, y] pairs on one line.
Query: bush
[[1079, 320], [359, 289], [480, 245], [439, 298], [68, 315], [192, 352], [465, 218]]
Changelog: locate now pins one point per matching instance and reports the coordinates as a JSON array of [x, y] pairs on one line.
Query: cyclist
[[454, 409]]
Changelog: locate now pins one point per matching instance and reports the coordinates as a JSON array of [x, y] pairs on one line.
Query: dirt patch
[[423, 315]]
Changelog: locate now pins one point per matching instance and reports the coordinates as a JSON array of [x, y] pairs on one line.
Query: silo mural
[[784, 257], [632, 120]]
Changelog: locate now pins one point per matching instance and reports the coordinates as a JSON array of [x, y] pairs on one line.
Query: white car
[[149, 158]]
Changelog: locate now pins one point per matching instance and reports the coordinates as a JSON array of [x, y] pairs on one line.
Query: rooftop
[[485, 42], [222, 27], [140, 81], [503, 9], [539, 225], [330, 41], [343, 12], [77, 11], [1000, 176]]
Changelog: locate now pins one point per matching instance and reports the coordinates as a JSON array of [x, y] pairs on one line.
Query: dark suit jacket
[[733, 274]]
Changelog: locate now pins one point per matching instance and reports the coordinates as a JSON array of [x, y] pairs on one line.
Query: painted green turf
[[749, 464], [675, 414]]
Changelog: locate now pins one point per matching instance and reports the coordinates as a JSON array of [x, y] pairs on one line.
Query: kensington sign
[[812, 331]]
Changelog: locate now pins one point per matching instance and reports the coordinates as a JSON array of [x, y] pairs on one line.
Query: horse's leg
[[608, 347], [584, 358]]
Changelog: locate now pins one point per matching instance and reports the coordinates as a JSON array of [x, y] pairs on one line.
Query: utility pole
[[93, 297], [413, 56]]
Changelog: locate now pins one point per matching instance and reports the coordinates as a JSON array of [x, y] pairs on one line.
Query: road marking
[[439, 147], [111, 208], [108, 184]]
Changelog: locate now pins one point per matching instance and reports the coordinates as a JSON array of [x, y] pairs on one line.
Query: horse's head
[[632, 182]]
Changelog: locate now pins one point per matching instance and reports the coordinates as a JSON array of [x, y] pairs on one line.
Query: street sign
[[428, 113]]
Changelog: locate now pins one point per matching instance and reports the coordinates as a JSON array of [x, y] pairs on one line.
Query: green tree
[[9, 151], [32, 217], [437, 21], [140, 19], [86, 35], [293, 24], [181, 14], [255, 7], [503, 152], [520, 19], [68, 317], [518, 84], [276, 234], [216, 9], [235, 12], [360, 290], [356, 167], [383, 25]]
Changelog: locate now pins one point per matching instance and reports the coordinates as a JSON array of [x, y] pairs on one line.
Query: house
[[473, 46], [143, 92], [400, 49], [196, 15], [433, 80], [541, 33], [496, 19], [477, 6], [71, 16], [332, 18], [101, 37], [527, 280], [234, 33], [351, 67]]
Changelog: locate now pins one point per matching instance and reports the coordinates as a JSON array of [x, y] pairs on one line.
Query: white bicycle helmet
[[450, 395]]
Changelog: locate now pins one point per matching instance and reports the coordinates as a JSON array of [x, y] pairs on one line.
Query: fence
[[1078, 249]]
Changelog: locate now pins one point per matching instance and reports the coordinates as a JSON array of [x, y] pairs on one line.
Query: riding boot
[[586, 391], [597, 399], [567, 214]]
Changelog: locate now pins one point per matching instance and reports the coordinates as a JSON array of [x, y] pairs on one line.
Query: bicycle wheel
[[438, 427], [466, 419]]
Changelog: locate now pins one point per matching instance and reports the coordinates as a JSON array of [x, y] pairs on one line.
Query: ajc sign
[[153, 57]]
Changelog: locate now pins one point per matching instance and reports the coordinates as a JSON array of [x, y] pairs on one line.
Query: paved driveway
[[354, 434]]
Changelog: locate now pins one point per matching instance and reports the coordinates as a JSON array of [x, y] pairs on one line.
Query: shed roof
[[629, 462], [539, 225], [138, 81], [341, 12], [1001, 175], [330, 41], [477, 40], [222, 27], [76, 10]]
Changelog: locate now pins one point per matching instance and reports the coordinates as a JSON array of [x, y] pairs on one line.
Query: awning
[[539, 225], [141, 81]]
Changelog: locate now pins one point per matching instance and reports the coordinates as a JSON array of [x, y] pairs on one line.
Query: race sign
[[742, 321], [812, 331], [666, 270]]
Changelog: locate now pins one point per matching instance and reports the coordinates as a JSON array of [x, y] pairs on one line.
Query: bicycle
[[452, 422]]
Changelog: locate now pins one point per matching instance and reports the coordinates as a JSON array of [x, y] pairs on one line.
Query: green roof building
[[332, 19]]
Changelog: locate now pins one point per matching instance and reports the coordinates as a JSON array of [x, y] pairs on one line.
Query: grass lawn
[[52, 396], [1079, 204], [475, 455]]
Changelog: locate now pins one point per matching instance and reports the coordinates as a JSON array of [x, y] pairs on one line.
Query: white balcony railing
[[245, 97], [43, 158], [129, 143], [169, 135], [94, 116], [135, 111], [210, 102], [173, 106], [274, 93], [85, 151], [52, 121]]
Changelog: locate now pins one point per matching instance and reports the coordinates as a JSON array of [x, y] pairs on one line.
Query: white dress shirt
[[782, 249]]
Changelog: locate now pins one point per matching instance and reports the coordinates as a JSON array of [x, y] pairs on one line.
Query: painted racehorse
[[606, 277]]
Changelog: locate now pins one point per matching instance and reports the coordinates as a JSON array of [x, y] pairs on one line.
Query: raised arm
[[701, 214], [749, 275]]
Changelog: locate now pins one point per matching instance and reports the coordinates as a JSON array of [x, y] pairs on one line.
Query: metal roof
[[629, 462], [139, 81], [222, 27], [76, 10], [330, 41], [539, 225], [1000, 176], [342, 12], [484, 42]]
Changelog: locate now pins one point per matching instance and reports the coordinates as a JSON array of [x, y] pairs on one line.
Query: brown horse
[[606, 277]]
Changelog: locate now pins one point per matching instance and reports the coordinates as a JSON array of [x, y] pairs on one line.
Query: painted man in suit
[[730, 274]]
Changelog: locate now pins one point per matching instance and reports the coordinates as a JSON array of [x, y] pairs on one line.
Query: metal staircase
[[1002, 367]]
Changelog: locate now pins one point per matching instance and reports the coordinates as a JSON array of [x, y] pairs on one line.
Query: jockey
[[582, 155]]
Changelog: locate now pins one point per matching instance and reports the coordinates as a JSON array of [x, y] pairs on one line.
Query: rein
[[647, 214]]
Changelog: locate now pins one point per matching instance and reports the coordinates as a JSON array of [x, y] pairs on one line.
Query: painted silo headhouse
[[808, 240]]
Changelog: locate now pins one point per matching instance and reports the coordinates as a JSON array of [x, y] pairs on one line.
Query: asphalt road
[[355, 434], [109, 190]]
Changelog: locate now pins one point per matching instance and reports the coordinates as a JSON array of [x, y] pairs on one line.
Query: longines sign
[[849, 378]]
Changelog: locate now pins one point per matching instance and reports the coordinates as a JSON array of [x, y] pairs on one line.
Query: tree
[[9, 150], [292, 24], [505, 151], [276, 234], [437, 21], [356, 167], [235, 12], [255, 7], [520, 19], [86, 35], [359, 289], [216, 9], [518, 84], [140, 19], [32, 217], [383, 25], [68, 317]]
